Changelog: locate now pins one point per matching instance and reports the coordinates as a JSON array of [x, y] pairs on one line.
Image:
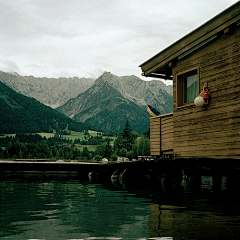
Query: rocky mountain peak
[[52, 92], [15, 74]]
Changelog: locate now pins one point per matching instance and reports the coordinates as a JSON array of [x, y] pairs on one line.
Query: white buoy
[[199, 101]]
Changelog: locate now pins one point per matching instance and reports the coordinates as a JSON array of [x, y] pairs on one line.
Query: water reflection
[[69, 210], [65, 209], [191, 224]]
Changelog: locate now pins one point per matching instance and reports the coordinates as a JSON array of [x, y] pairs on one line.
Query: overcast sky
[[84, 38]]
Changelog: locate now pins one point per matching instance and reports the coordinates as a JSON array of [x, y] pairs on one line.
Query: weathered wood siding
[[212, 131], [161, 135]]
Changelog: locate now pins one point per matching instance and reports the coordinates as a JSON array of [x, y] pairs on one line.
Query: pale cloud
[[7, 65], [59, 38]]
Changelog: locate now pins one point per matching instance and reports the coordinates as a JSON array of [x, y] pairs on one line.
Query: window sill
[[188, 105]]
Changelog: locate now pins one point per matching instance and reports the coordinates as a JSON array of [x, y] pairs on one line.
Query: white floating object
[[199, 101]]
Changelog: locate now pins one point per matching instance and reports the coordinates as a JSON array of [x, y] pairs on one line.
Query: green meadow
[[73, 136]]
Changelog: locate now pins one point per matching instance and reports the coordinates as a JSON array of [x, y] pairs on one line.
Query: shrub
[[130, 155], [98, 158], [114, 157], [123, 152]]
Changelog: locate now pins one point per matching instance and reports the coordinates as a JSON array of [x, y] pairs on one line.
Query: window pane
[[190, 88]]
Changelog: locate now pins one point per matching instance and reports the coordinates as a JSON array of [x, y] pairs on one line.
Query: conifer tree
[[108, 149], [20, 155], [127, 137], [86, 152]]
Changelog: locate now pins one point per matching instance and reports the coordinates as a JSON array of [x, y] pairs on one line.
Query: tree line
[[32, 146]]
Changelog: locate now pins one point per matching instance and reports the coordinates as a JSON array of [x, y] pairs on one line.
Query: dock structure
[[32, 160], [174, 173]]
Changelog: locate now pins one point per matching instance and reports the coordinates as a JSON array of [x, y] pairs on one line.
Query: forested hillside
[[22, 114]]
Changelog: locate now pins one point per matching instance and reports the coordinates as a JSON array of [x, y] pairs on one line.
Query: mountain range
[[52, 92], [105, 103], [112, 100]]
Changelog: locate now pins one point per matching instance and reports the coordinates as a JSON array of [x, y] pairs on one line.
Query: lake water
[[73, 209]]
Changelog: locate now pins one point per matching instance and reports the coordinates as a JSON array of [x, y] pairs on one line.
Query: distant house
[[122, 159], [210, 54]]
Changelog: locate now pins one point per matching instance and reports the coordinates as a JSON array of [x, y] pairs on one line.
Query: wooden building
[[210, 53]]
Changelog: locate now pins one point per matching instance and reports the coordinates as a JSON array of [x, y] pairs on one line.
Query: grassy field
[[9, 135], [80, 135], [73, 136], [47, 135], [89, 147]]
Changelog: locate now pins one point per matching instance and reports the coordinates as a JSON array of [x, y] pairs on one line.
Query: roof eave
[[202, 35]]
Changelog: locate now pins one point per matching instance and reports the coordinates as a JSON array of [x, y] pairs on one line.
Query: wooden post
[[160, 125]]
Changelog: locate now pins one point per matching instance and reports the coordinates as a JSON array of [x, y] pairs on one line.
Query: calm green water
[[84, 210]]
